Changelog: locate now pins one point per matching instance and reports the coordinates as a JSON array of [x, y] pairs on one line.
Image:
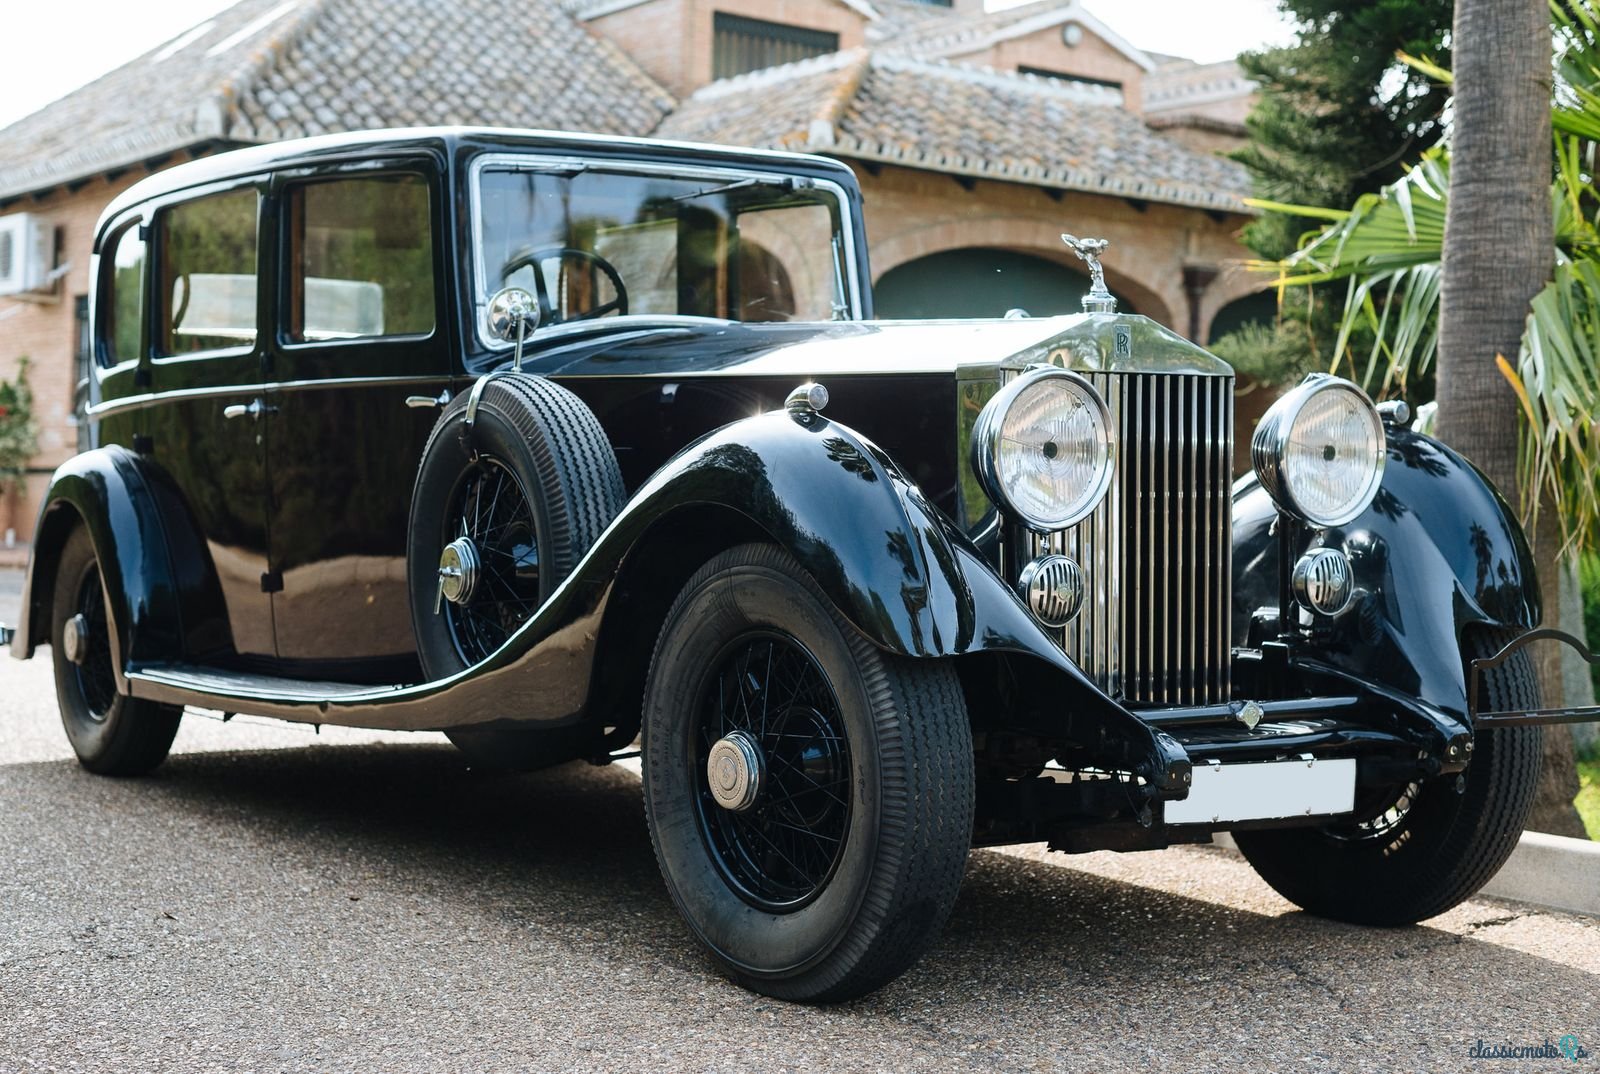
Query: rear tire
[[838, 872], [544, 452], [112, 734], [1436, 846]]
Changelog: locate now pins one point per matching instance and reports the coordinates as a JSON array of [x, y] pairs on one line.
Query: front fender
[[1438, 551], [892, 564], [116, 496]]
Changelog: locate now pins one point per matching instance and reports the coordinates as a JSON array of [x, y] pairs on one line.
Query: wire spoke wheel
[[492, 511], [809, 796], [112, 733], [778, 850], [1384, 822], [96, 680]]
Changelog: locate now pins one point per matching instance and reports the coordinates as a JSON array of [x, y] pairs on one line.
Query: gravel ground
[[270, 900]]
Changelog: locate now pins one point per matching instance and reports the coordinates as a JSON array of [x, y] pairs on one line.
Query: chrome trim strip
[[1225, 543], [148, 399], [1140, 683], [1203, 464], [1171, 553]]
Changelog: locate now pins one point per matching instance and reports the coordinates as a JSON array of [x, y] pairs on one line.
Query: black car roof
[[445, 141]]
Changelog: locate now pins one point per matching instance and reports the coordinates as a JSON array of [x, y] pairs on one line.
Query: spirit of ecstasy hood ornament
[[1098, 300]]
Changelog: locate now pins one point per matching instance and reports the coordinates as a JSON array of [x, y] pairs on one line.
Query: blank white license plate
[[1222, 793]]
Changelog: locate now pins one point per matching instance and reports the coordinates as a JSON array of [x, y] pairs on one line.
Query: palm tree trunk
[[1497, 256]]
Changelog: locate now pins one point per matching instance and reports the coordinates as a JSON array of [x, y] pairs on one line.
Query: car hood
[[685, 347]]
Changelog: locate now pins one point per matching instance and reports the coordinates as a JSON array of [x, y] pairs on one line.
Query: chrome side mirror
[[513, 316]]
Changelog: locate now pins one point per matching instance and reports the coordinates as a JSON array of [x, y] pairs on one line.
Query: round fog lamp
[[1324, 581], [1052, 588]]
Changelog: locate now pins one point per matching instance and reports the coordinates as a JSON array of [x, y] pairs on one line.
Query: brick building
[[978, 138]]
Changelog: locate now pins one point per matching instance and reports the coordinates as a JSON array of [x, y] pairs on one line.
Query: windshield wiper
[[787, 182]]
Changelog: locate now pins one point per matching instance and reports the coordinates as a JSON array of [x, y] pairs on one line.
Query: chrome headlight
[[1319, 451], [1043, 449]]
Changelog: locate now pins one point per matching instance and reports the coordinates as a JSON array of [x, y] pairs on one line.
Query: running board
[[244, 691], [482, 698], [246, 685]]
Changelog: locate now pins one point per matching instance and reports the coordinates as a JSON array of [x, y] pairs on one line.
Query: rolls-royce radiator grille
[[1156, 554]]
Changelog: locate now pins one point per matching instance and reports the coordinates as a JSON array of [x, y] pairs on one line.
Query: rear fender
[[156, 570]]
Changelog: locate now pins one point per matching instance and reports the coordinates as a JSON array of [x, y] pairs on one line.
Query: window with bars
[[740, 44], [1077, 80]]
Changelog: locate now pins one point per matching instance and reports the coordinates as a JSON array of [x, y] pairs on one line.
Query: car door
[[359, 365], [206, 423]]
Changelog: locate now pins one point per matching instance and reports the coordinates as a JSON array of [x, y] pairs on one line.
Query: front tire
[[1435, 845], [833, 874], [112, 734]]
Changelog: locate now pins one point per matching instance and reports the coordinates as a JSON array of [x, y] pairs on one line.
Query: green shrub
[[19, 433]]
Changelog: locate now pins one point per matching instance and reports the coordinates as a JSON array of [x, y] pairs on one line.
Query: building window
[[742, 44], [82, 351], [1076, 80]]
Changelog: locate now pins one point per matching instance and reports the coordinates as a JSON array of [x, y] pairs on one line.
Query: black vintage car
[[556, 444]]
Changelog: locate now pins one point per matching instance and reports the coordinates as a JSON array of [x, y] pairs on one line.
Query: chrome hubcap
[[736, 769], [75, 639], [458, 570]]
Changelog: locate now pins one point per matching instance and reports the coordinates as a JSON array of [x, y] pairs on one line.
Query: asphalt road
[[10, 595], [271, 900]]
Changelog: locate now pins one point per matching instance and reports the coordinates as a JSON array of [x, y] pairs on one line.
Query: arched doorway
[[1259, 308], [980, 282]]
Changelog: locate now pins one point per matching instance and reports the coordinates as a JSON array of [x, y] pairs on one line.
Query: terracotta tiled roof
[[958, 119], [954, 35], [1180, 83], [269, 69], [933, 28], [594, 9], [904, 18]]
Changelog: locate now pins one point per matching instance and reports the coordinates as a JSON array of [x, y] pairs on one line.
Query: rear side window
[[208, 274], [124, 306], [361, 259]]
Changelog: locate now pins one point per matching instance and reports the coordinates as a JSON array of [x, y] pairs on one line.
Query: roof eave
[[1182, 195]]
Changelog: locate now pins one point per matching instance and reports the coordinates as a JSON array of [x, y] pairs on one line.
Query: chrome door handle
[[420, 401], [254, 409]]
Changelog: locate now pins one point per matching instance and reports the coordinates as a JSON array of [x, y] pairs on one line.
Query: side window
[[124, 306], [208, 274], [360, 259]]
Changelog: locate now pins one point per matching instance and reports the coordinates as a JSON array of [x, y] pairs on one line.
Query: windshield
[[592, 243]]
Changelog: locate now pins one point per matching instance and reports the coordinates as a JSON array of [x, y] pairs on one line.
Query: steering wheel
[[547, 310]]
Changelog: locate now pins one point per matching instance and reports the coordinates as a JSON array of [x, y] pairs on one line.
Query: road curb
[[1552, 871]]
